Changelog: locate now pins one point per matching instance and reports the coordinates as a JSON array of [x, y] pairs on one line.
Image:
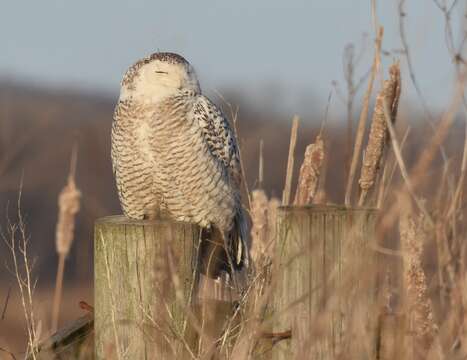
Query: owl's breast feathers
[[180, 155]]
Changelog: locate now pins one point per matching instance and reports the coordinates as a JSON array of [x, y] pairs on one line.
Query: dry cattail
[[290, 162], [68, 204], [309, 172], [320, 197], [259, 229], [263, 230], [273, 205], [378, 133], [418, 305]]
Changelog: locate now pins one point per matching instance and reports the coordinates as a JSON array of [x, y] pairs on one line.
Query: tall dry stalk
[[374, 152], [310, 172], [261, 165], [363, 118], [290, 162], [69, 204], [388, 174]]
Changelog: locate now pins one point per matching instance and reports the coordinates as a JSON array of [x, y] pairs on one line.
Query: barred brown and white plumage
[[174, 152]]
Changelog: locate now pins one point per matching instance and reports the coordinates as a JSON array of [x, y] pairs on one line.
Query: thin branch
[[8, 352], [5, 306], [460, 183], [261, 164], [398, 155], [408, 57]]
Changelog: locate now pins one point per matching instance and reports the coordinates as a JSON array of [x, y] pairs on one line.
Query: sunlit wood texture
[[324, 283], [144, 288]]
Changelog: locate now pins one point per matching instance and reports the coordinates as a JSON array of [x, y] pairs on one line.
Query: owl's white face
[[158, 80]]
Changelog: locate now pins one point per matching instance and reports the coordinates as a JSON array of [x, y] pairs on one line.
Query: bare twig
[[408, 57], [398, 155], [8, 352], [388, 174], [5, 306], [460, 182], [261, 165], [22, 273], [350, 62]]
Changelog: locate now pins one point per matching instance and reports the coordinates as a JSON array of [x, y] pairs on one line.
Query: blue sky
[[293, 46]]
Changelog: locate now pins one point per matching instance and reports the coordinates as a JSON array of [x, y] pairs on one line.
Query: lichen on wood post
[[145, 279], [322, 279]]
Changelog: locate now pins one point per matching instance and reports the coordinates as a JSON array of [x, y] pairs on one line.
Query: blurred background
[[61, 63]]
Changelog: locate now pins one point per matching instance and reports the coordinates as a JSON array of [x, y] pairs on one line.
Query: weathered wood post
[[145, 285], [323, 268]]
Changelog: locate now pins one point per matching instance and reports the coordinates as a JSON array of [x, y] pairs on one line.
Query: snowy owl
[[174, 154]]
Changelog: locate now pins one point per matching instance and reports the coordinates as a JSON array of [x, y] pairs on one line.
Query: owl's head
[[157, 77]]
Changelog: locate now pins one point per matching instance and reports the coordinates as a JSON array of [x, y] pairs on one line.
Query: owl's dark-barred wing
[[219, 137]]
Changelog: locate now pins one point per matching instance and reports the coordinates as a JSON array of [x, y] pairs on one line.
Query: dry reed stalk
[[373, 155], [460, 188], [388, 174], [309, 172], [261, 165], [363, 118], [290, 162], [69, 204], [418, 303], [442, 130]]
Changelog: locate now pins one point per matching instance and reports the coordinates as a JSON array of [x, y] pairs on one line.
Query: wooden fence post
[[145, 289], [323, 278]]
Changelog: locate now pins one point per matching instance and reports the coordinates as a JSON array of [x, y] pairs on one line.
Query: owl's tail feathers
[[225, 252], [238, 241]]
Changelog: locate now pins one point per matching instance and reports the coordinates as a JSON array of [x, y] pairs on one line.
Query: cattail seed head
[[309, 173], [69, 205], [373, 154]]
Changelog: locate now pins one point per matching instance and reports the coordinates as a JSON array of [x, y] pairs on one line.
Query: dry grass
[[17, 241]]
